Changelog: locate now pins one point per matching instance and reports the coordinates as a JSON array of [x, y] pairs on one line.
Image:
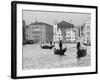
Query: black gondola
[[81, 53], [59, 51], [47, 47]]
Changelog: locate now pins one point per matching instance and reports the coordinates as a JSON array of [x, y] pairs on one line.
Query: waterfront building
[[67, 31], [86, 32], [40, 32]]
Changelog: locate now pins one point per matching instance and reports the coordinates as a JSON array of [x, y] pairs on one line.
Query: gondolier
[[60, 45]]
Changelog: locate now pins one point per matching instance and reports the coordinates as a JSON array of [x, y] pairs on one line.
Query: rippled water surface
[[36, 58]]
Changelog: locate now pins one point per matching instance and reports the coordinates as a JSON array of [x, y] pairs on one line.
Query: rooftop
[[40, 23], [65, 25]]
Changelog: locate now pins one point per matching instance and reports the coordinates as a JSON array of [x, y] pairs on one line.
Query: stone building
[[40, 32], [57, 34], [70, 35], [86, 32], [65, 30]]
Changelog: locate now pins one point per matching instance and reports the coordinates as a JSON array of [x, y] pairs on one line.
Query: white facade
[[57, 35], [86, 31], [70, 35]]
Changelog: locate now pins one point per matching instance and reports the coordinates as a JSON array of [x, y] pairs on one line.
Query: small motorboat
[[59, 51], [47, 47]]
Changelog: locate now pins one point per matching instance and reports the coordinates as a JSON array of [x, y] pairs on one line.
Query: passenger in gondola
[[60, 45]]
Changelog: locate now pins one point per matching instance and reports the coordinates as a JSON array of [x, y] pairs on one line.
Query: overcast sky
[[49, 17]]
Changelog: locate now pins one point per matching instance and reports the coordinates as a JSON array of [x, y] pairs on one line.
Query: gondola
[[81, 53], [60, 52], [47, 47]]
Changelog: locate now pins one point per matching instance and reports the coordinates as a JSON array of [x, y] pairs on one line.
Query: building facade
[[57, 34], [86, 32], [70, 35], [40, 32], [64, 31]]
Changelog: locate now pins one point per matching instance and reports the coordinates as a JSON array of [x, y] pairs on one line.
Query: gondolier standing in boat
[[50, 43], [60, 45], [78, 45]]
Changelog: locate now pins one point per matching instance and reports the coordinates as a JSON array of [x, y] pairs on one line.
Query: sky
[[49, 17]]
